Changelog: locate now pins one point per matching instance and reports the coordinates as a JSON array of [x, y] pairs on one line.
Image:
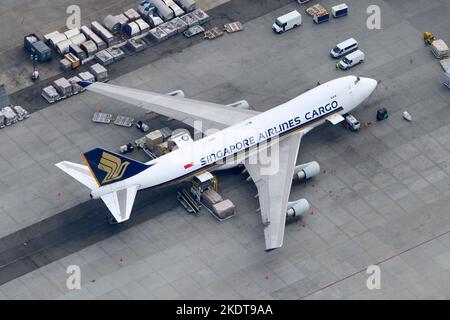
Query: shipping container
[[43, 52], [131, 29], [72, 32], [132, 14], [86, 76], [74, 61], [65, 65], [104, 57], [123, 20], [100, 73], [339, 10], [177, 11], [89, 47], [50, 94], [62, 47], [76, 88], [78, 39], [49, 36], [143, 26], [163, 10], [112, 23], [28, 40], [77, 51], [186, 5], [56, 39], [101, 31], [21, 112], [63, 87], [10, 116], [153, 20]]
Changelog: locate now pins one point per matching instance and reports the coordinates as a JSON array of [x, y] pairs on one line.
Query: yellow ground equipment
[[428, 38]]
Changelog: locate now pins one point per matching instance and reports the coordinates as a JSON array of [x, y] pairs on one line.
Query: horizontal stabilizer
[[335, 118], [79, 172], [121, 202]]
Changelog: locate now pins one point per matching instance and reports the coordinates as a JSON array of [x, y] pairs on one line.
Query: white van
[[344, 47], [288, 21], [351, 60]]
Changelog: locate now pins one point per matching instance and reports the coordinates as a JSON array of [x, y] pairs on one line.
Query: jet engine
[[306, 171], [241, 104], [297, 208], [176, 93]]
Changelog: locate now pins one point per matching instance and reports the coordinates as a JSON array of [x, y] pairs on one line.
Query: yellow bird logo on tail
[[113, 166]]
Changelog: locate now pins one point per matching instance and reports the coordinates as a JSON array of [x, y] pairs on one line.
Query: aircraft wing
[[274, 190], [212, 115]]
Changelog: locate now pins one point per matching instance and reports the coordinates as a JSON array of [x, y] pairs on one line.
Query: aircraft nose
[[369, 84]]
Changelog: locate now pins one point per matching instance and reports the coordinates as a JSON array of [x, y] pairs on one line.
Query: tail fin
[[108, 167]]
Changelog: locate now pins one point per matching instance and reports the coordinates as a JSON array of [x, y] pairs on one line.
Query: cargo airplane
[[241, 134]]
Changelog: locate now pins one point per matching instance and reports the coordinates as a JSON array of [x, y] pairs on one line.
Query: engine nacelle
[[306, 171], [297, 208], [241, 104], [176, 93]]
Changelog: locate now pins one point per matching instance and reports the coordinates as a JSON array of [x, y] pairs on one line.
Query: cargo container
[[74, 61], [104, 57], [201, 15], [186, 5], [72, 32], [123, 20], [89, 47], [21, 112], [131, 29], [86, 30], [180, 24], [163, 10], [28, 40], [116, 53], [100, 73], [63, 87], [86, 76], [63, 46], [2, 120], [65, 65], [76, 88], [146, 8], [190, 19], [153, 20], [35, 46], [136, 45], [49, 36], [439, 49], [132, 14], [340, 10], [77, 51], [101, 31], [322, 17], [143, 26], [112, 23], [446, 81], [169, 28], [158, 34], [177, 11], [78, 39], [50, 94], [56, 39], [100, 44], [10, 116], [153, 139]]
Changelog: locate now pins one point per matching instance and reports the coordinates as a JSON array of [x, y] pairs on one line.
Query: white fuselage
[[300, 114]]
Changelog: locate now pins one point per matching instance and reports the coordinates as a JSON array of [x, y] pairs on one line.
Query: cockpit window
[[336, 50], [346, 61]]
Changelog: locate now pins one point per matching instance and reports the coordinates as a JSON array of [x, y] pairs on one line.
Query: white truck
[[288, 21], [351, 60]]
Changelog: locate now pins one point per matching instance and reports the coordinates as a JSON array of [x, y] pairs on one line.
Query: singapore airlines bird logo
[[113, 166]]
